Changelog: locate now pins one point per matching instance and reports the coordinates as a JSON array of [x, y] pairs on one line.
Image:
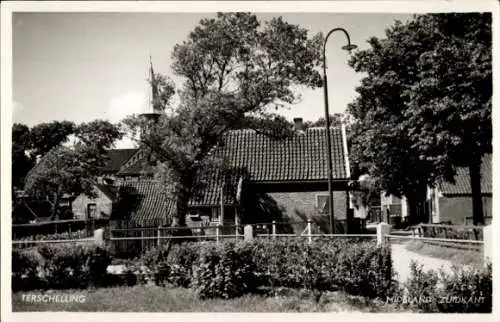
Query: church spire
[[152, 112], [153, 80]]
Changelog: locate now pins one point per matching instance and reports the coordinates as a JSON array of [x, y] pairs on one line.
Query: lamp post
[[348, 47]]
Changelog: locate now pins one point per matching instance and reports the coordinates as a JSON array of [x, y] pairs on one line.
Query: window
[[322, 204], [91, 211]]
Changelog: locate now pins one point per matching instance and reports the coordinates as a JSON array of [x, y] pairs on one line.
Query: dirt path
[[401, 258]]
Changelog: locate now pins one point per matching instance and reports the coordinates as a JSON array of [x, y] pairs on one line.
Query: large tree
[[235, 68], [22, 161], [425, 100], [449, 111], [29, 145], [45, 136], [72, 169]]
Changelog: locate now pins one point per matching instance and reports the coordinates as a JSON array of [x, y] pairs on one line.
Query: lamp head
[[349, 47]]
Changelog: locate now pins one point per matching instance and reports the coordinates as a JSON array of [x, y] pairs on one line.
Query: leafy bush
[[359, 268], [420, 290], [464, 290], [156, 260], [231, 269], [62, 266], [77, 234], [224, 271], [467, 290], [26, 270], [174, 265]]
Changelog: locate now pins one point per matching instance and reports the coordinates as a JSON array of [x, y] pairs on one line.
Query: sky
[[84, 66]]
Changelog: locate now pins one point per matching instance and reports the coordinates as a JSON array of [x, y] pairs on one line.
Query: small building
[[447, 203], [99, 206], [451, 203]]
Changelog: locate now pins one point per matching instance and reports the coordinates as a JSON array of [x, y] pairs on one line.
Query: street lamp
[[348, 47]]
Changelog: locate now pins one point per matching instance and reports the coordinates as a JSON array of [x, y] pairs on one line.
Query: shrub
[[172, 265], [420, 290], [224, 271], [279, 263], [231, 269], [467, 290], [26, 270], [156, 260], [77, 234], [359, 268], [180, 261], [62, 266], [464, 290]]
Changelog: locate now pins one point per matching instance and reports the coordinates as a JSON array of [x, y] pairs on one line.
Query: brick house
[[98, 207], [452, 203], [283, 180]]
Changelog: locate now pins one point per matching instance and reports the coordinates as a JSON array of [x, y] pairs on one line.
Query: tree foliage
[[45, 136], [235, 68], [336, 119], [72, 170], [424, 106], [22, 162]]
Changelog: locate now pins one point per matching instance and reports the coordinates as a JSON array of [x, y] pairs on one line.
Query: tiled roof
[[211, 182], [137, 168], [145, 201], [116, 158], [108, 190], [462, 180], [301, 157]]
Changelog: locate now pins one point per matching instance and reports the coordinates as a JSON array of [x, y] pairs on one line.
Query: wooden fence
[[455, 232], [451, 236], [132, 239], [64, 229], [21, 244]]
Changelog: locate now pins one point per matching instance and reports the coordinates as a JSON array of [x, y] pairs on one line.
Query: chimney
[[298, 124]]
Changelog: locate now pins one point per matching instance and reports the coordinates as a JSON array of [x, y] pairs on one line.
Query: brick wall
[[299, 206], [104, 205], [456, 209]]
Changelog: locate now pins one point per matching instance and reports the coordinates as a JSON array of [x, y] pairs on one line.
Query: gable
[[117, 158]]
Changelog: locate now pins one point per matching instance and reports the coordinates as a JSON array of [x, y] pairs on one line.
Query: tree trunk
[[475, 183], [415, 202], [53, 209], [181, 207]]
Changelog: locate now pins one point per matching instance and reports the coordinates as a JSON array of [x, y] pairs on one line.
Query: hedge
[[463, 290], [224, 271], [59, 266], [234, 268], [356, 267]]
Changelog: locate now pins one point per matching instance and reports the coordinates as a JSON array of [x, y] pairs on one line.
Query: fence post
[[99, 237], [383, 230], [159, 236], [248, 232], [217, 234], [274, 228], [309, 231], [487, 244]]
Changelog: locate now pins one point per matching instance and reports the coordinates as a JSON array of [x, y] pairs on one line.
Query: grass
[[454, 255], [142, 298]]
